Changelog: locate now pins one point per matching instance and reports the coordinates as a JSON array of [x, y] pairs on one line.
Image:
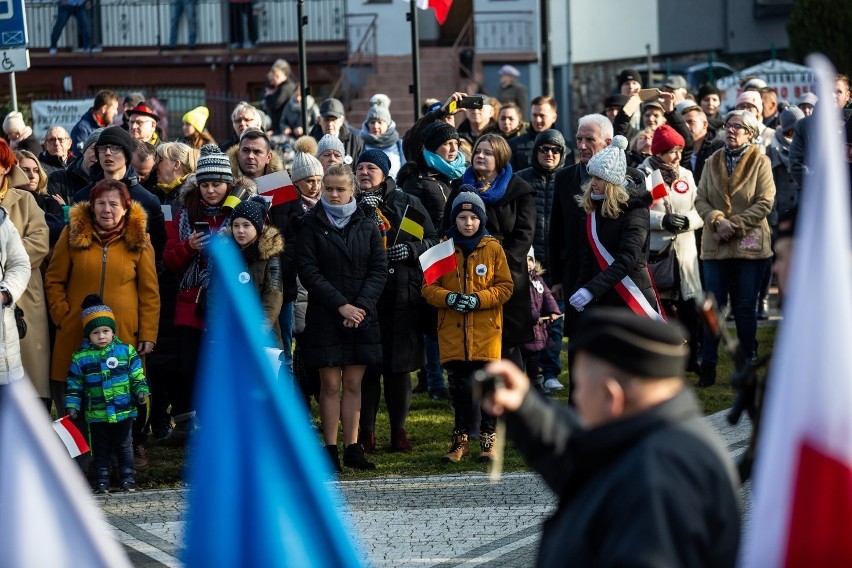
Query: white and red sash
[[626, 288]]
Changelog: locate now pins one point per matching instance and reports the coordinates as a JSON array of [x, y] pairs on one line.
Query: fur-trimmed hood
[[82, 232], [275, 164], [270, 243]]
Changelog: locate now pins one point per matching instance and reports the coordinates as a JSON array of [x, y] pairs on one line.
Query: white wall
[[613, 29], [393, 30]]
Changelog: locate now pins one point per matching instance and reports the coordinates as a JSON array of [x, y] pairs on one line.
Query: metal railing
[[463, 41], [505, 31], [147, 23]]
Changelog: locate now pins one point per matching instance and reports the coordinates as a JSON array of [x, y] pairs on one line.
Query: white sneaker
[[553, 384], [52, 51]]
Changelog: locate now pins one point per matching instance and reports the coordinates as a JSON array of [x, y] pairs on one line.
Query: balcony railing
[[505, 31], [146, 23]]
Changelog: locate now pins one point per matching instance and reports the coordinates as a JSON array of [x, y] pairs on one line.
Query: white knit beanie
[[610, 164]]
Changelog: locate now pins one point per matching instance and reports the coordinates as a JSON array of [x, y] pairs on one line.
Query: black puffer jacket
[[286, 217], [627, 238], [338, 267], [524, 148], [65, 183], [427, 185], [401, 305], [543, 183], [512, 222]]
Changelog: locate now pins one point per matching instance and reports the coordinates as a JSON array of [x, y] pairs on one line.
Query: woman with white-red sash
[[614, 259]]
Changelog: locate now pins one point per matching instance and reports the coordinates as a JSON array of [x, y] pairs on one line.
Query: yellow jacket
[[474, 336]]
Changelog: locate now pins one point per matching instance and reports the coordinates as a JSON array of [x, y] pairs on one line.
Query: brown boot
[[140, 456], [367, 439], [459, 448], [486, 446], [399, 440]]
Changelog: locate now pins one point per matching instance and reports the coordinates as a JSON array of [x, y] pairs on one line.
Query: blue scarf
[[453, 170], [498, 188], [339, 215], [467, 244]]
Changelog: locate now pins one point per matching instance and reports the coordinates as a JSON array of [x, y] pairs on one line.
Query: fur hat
[[751, 98], [93, 138], [468, 200], [610, 164], [438, 133], [790, 117], [96, 314], [329, 142], [376, 157], [197, 118], [254, 209], [14, 122], [213, 165], [116, 135], [304, 163], [665, 138]]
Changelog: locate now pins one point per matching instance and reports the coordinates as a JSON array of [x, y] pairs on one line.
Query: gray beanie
[[93, 137], [790, 117], [379, 112], [468, 200], [213, 165], [610, 164], [304, 163], [329, 142]]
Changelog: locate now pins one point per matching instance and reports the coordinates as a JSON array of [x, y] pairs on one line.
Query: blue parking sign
[[13, 23]]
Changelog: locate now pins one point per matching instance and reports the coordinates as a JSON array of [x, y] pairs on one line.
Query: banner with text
[[65, 113]]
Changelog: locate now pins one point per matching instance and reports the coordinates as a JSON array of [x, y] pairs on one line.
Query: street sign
[[14, 60], [13, 24]]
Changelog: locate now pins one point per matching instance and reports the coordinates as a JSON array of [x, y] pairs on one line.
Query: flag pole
[[414, 88], [398, 229], [303, 65]]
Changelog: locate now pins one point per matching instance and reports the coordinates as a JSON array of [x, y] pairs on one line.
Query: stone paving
[[447, 521]]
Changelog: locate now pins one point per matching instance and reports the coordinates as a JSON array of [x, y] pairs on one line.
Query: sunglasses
[[549, 150]]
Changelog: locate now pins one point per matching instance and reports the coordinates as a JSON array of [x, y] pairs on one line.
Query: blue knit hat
[[610, 164], [468, 200], [377, 158]]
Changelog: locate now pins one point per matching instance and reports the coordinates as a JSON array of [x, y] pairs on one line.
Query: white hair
[[602, 122], [244, 106]]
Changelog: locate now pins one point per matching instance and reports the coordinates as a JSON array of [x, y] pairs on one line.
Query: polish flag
[[276, 188], [657, 186], [441, 8], [438, 260], [74, 441], [802, 513]]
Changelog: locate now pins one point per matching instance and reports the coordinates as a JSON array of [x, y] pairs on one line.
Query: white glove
[[580, 298]]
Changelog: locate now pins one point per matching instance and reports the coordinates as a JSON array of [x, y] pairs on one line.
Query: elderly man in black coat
[[641, 479]]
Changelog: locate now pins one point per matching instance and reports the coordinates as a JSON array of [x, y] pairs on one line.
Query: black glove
[[675, 223], [457, 302], [399, 252], [72, 413], [471, 301]]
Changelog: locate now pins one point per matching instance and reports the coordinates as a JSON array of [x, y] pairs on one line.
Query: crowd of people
[[659, 200]]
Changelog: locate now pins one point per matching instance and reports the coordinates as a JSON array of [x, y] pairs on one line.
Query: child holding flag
[[106, 380], [469, 297]]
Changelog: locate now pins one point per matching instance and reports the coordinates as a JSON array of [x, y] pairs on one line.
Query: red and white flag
[[802, 513], [276, 188], [438, 260], [441, 8], [70, 435], [657, 185]]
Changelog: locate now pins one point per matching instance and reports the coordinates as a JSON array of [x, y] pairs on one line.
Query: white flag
[[47, 514]]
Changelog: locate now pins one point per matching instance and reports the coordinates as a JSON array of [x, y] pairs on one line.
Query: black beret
[[639, 346]]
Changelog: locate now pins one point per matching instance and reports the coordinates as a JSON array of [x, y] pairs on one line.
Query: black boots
[[331, 450], [353, 456], [707, 375]]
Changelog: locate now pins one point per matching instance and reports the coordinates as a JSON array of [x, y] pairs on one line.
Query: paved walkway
[[446, 520]]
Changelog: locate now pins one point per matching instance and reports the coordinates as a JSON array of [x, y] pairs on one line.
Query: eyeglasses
[[735, 126], [549, 150], [56, 140], [109, 148]]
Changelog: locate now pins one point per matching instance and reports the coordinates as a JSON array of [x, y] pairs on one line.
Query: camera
[[484, 384]]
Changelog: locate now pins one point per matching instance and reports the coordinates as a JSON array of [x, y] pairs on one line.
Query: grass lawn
[[429, 426]]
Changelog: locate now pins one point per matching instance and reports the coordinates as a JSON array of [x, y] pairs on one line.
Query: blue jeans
[[285, 321], [179, 7], [63, 15], [548, 359], [743, 279], [434, 371]]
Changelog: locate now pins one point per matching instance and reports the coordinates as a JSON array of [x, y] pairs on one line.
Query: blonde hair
[[615, 196], [178, 152], [42, 175]]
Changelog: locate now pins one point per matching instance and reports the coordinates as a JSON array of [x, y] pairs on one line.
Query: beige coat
[[745, 199], [28, 218]]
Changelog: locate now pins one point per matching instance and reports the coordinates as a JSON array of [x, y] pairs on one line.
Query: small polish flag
[[658, 187], [74, 441], [441, 8], [438, 260], [276, 188]]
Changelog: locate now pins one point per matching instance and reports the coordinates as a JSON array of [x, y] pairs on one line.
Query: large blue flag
[[258, 478]]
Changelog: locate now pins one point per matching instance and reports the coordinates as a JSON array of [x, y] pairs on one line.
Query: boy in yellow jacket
[[470, 316]]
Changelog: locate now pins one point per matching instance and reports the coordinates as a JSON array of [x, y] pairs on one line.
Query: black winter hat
[[550, 136], [116, 136], [437, 133], [706, 90], [254, 209], [618, 100], [629, 75], [639, 346]]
